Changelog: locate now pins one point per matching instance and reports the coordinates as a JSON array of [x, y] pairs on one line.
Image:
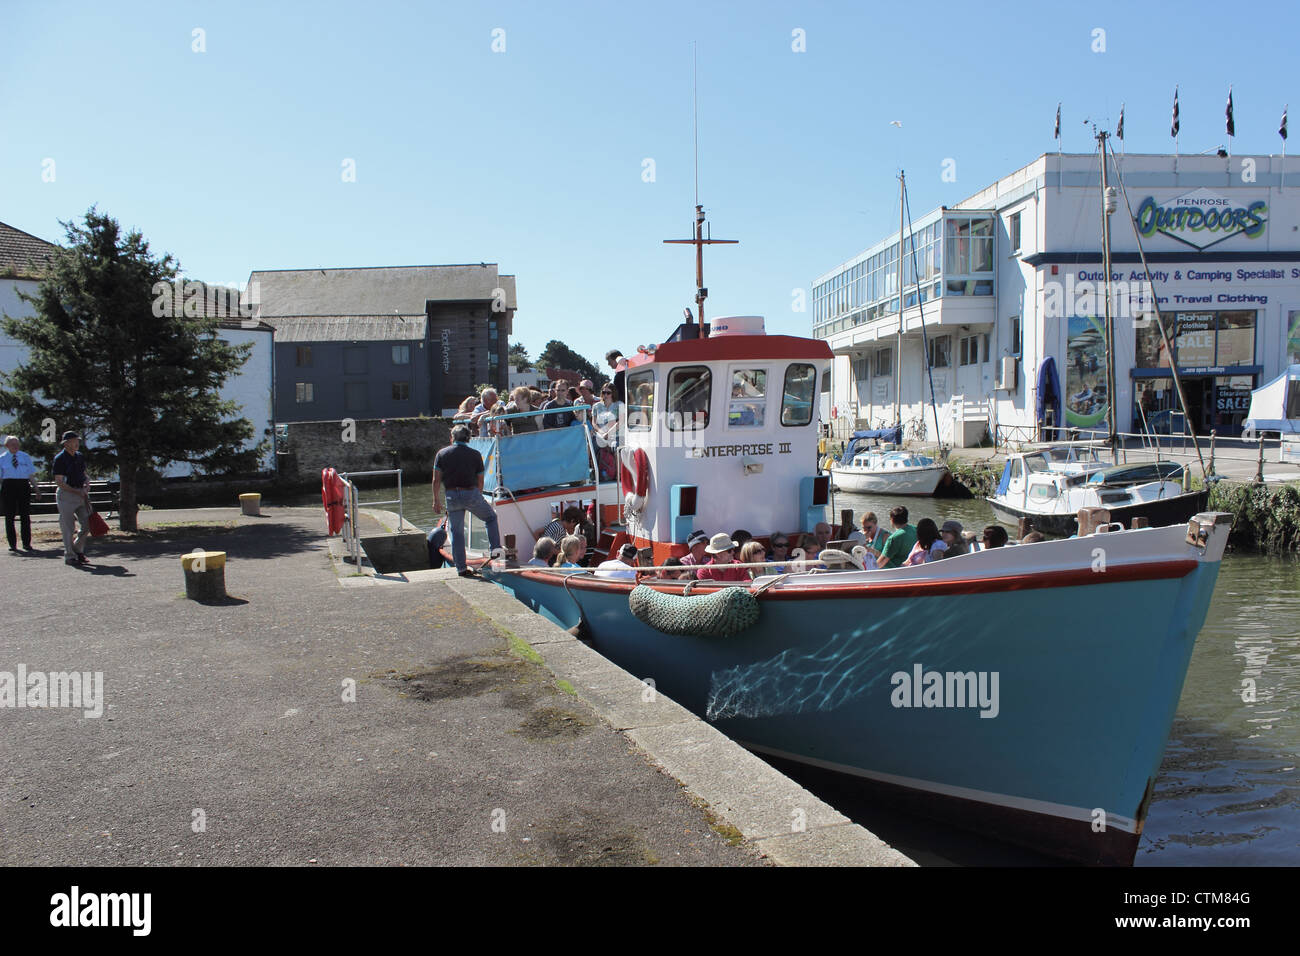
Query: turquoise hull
[[1088, 677]]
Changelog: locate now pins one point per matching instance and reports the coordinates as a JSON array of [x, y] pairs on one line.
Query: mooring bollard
[[205, 575], [251, 504]]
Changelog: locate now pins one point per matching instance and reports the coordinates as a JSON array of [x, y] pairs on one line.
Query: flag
[[1119, 129], [1057, 134], [1173, 126], [1281, 130], [1232, 127]]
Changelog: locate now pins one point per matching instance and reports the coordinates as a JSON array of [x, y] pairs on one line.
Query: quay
[[321, 716]]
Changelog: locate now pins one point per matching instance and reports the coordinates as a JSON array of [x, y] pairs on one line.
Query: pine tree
[[137, 379]]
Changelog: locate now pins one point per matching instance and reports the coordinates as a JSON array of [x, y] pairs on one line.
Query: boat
[[1049, 485], [964, 687]]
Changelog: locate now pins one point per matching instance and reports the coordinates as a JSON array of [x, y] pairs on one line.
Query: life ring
[[332, 492], [634, 476]]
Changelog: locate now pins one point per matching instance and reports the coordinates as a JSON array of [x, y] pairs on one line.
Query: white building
[[1012, 276], [531, 377]]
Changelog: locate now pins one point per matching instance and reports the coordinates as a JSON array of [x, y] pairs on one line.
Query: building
[[529, 377], [23, 264], [1012, 276], [384, 342]]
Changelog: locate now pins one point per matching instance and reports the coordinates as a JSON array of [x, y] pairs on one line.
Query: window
[[355, 360], [401, 391], [970, 350], [797, 394], [355, 397], [640, 400], [884, 363], [303, 393], [1236, 338], [748, 407], [303, 356], [1013, 230], [688, 398], [401, 355], [1014, 322], [941, 351]]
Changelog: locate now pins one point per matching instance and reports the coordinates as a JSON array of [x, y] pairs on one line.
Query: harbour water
[[1229, 788]]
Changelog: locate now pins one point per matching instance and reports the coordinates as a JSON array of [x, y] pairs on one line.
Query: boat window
[[748, 398], [688, 397], [1036, 462], [797, 394], [640, 400], [1015, 468]]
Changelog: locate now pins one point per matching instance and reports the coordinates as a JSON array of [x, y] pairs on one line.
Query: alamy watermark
[[922, 688], [39, 689]]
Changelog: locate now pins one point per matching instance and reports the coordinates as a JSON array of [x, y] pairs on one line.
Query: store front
[[1215, 357]]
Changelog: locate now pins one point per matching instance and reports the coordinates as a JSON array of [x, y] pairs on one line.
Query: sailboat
[[873, 462]]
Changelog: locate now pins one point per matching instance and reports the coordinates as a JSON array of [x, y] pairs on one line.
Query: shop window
[[1236, 342], [748, 407], [797, 393], [688, 397], [1293, 337], [1194, 338], [640, 400]]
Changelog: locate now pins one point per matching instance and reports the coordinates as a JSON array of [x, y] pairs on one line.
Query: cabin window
[[640, 400], [748, 398], [688, 397], [797, 395]]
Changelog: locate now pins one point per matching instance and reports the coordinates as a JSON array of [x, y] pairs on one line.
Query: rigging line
[[925, 342], [1160, 323]]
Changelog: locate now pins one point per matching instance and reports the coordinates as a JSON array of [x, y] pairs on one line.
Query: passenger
[[995, 536], [573, 550], [487, 401], [752, 552], [624, 566], [899, 544], [698, 543], [1033, 537], [521, 401], [605, 431], [466, 408], [676, 571], [723, 550], [619, 364], [586, 396], [929, 546], [951, 533], [822, 534], [780, 552], [872, 536], [741, 537], [544, 552], [807, 542], [559, 398]]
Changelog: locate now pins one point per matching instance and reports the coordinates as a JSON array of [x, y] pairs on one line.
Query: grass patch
[[565, 687], [719, 826], [520, 648]]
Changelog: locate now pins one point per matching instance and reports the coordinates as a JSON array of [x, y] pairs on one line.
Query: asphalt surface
[[226, 737]]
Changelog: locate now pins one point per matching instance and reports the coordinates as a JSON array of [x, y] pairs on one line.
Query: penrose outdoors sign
[[1201, 219]]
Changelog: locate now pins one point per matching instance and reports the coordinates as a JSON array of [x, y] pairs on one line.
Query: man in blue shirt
[[72, 498], [17, 480], [459, 469]]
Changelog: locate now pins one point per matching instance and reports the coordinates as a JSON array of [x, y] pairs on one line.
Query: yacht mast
[[898, 349], [1108, 205]]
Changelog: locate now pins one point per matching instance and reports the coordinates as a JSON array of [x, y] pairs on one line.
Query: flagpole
[[1282, 130], [1232, 126]]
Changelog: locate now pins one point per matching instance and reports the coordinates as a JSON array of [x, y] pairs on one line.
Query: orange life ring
[[332, 492], [634, 476]]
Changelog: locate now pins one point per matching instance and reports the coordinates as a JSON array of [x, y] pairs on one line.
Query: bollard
[[205, 575], [1210, 471], [1259, 469], [251, 504]]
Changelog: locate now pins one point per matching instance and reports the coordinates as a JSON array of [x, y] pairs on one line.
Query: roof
[[22, 255], [376, 290], [350, 328], [726, 347]]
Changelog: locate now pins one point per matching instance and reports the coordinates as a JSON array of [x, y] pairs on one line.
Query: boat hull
[[919, 482], [1159, 513], [1064, 762]]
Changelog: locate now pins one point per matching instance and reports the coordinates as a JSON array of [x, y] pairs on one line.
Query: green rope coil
[[722, 613]]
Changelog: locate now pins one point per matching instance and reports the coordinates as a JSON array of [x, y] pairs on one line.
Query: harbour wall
[[305, 448]]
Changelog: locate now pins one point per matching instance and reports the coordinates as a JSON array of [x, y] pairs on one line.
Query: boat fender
[[634, 477], [721, 613], [332, 492]]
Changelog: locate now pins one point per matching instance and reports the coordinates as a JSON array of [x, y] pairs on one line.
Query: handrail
[[401, 507]]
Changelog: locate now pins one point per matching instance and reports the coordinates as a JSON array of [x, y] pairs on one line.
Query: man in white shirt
[[624, 566], [17, 481]]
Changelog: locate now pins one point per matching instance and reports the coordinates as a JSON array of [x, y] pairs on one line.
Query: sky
[[556, 138]]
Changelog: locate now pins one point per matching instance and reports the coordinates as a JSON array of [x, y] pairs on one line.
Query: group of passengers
[[903, 544]]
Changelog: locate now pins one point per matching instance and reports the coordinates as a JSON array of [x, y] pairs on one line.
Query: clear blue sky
[[231, 159]]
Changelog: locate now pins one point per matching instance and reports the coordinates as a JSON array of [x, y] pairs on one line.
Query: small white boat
[[889, 473]]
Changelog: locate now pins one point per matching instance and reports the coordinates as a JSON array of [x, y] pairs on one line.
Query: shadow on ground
[[242, 541]]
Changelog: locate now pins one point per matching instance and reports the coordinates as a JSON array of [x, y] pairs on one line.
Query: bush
[[1264, 518]]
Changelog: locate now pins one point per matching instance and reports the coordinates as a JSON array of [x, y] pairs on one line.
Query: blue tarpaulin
[[1049, 393], [861, 439], [555, 456]]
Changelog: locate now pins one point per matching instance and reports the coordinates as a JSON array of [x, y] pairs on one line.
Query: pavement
[[319, 716]]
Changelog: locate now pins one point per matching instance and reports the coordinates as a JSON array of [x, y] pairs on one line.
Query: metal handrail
[[347, 475]]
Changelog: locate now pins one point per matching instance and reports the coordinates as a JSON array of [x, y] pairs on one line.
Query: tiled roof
[[22, 255], [349, 328]]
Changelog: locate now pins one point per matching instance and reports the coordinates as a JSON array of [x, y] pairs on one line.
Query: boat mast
[[1108, 204], [699, 241], [898, 358]]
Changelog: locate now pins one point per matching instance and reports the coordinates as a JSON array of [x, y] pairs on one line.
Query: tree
[[558, 355], [518, 356], [110, 358]]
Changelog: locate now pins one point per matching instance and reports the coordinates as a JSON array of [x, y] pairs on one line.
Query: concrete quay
[[322, 716]]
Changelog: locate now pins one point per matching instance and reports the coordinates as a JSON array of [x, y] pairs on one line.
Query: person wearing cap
[[624, 566], [697, 542], [619, 364], [72, 498], [17, 482], [723, 550], [951, 532]]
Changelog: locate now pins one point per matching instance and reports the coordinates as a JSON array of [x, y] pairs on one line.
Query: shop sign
[[1201, 218]]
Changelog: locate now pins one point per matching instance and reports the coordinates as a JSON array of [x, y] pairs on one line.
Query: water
[[1228, 793]]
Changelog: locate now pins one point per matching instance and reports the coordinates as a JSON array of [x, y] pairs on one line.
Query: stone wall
[[369, 445]]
